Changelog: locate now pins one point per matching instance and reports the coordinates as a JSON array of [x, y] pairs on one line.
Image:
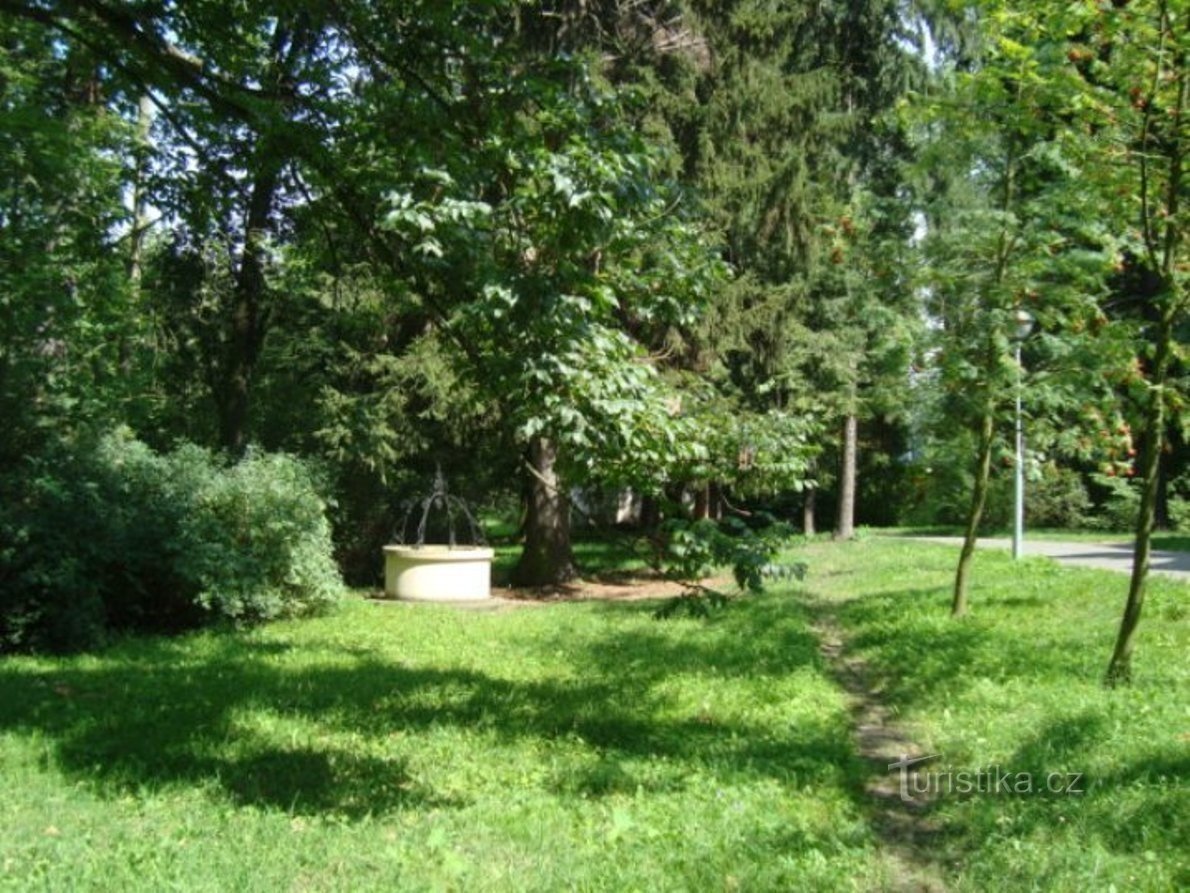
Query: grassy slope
[[1016, 686], [588, 746], [1162, 540], [420, 747]]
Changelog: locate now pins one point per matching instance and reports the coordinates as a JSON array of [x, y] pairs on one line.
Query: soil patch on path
[[902, 824]]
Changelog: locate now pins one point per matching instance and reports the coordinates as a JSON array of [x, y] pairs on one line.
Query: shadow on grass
[[756, 639], [753, 636], [1171, 542], [919, 656], [1022, 649], [154, 714], [1136, 811], [311, 781]]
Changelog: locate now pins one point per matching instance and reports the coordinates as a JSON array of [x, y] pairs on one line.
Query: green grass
[[587, 746], [391, 746], [1169, 542], [1017, 685]]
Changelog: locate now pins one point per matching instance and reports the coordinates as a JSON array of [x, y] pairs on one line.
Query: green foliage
[[497, 254], [1058, 498], [755, 453], [87, 537], [690, 551], [1017, 687], [257, 544], [1118, 502], [942, 481], [1179, 503], [1179, 513], [1055, 496], [107, 536], [544, 287], [66, 313], [783, 138]]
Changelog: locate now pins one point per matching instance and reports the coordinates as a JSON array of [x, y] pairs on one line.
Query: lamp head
[[1023, 324]]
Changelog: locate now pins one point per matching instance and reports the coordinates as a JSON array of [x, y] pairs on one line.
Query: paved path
[[1109, 556]]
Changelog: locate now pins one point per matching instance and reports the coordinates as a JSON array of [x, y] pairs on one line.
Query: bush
[[943, 497], [258, 544], [1058, 499], [942, 479], [1179, 514], [83, 532], [108, 536], [1118, 505], [688, 551], [1178, 507]]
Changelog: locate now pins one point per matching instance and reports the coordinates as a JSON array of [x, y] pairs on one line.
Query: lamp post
[[1023, 328]]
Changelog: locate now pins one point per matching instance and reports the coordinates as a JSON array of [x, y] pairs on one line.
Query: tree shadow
[[307, 781], [769, 636], [143, 720], [156, 714], [916, 655], [1065, 793], [1153, 819]]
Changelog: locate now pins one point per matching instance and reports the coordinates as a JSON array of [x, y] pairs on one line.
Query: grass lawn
[[410, 747], [1016, 686], [1162, 540], [587, 746]]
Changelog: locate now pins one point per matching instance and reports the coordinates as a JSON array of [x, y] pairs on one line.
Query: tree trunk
[[1119, 669], [140, 221], [547, 558], [650, 512], [808, 505], [1161, 519], [249, 317], [978, 497], [140, 211], [845, 519], [715, 501], [247, 328], [702, 502]]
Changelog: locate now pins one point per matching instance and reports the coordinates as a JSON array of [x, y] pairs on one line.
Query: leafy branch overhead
[[690, 552], [666, 259]]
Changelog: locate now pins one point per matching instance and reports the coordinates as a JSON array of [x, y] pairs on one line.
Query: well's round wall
[[437, 573]]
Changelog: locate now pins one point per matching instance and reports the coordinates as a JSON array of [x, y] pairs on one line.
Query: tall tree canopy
[[481, 194]]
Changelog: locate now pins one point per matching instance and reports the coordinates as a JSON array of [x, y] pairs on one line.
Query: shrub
[[1179, 514], [1058, 498], [688, 551], [1179, 503], [1119, 503], [105, 535], [942, 480], [258, 544], [83, 532]]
